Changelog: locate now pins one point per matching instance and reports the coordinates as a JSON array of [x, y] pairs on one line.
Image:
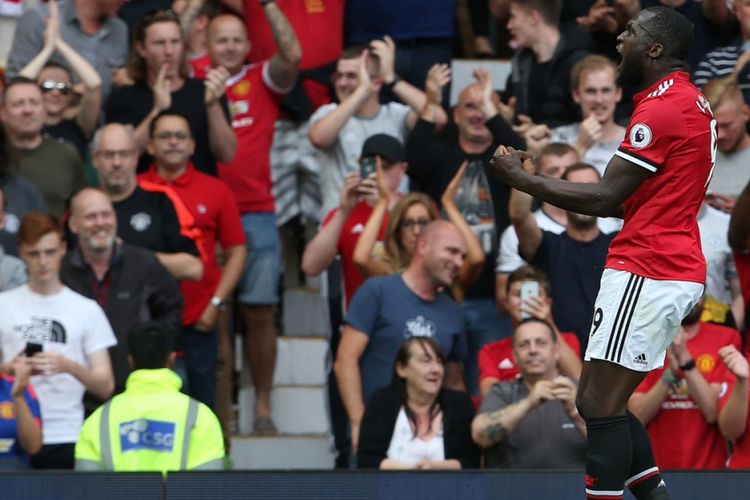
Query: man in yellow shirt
[[151, 426]]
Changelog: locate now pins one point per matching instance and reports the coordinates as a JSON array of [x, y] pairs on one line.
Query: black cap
[[384, 145]]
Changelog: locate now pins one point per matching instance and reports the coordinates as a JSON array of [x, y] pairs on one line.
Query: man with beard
[[573, 260], [128, 282], [655, 270], [685, 395], [387, 309]]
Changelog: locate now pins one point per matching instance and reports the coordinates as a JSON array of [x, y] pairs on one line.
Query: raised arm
[[705, 395], [322, 249], [221, 136], [385, 50], [91, 103], [733, 417], [368, 264], [282, 68], [474, 253], [324, 132], [51, 36]]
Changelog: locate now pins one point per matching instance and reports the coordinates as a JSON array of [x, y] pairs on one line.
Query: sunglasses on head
[[50, 85]]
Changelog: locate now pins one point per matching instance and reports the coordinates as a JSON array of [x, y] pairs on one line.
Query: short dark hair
[[550, 10], [168, 112], [58, 65], [671, 29], [576, 167], [17, 80], [529, 273], [533, 319], [353, 52], [36, 225], [150, 343]]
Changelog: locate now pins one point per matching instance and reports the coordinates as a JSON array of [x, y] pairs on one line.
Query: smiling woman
[[415, 423]]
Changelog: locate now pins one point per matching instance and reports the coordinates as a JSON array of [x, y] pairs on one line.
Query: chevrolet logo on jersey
[[145, 434]]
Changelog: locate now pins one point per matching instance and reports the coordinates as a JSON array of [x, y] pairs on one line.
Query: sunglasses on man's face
[[50, 85]]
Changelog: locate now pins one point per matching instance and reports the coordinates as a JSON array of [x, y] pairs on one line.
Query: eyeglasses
[[50, 85], [112, 154], [410, 223], [169, 135]]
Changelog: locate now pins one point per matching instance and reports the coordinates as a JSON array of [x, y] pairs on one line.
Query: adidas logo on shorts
[[640, 359]]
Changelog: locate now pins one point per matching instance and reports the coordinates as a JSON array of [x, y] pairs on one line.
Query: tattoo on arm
[[283, 34], [496, 432]]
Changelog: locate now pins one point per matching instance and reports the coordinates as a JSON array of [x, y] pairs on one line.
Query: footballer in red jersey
[[655, 272]]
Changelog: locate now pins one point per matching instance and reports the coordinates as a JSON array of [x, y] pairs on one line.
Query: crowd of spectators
[[150, 159]]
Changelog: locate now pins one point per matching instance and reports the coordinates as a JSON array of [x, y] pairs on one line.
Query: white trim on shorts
[[637, 318]]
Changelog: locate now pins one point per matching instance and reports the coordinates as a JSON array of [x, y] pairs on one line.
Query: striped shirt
[[717, 63]]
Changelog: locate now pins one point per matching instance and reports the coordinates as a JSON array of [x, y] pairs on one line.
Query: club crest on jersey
[[640, 135]]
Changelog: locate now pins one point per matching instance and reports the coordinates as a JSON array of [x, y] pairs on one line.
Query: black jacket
[[380, 417], [554, 106], [140, 289], [432, 165]]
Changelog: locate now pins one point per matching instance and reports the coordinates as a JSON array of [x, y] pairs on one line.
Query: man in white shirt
[[338, 130], [65, 334]]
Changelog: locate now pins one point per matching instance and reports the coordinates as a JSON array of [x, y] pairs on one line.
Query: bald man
[[254, 93], [151, 216], [128, 282], [388, 309]]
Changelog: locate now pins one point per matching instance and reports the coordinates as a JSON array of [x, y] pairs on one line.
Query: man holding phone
[[573, 259], [359, 195], [64, 336]]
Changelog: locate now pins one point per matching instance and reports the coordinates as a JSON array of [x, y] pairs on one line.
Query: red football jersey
[[680, 436], [741, 453], [672, 133], [352, 228], [496, 358], [254, 105], [212, 206]]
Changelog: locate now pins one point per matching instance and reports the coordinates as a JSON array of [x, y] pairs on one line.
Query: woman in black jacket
[[415, 423]]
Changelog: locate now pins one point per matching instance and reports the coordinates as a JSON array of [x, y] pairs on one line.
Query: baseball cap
[[384, 145]]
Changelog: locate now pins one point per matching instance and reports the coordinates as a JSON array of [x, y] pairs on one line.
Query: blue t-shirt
[[575, 270], [12, 456], [388, 312]]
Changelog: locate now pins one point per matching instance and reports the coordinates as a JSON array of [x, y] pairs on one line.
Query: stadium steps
[[299, 399]]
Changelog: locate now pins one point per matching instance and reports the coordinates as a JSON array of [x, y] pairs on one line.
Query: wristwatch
[[689, 365], [218, 302]]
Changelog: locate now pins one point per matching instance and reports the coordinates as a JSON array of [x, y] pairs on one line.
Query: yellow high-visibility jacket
[[151, 427]]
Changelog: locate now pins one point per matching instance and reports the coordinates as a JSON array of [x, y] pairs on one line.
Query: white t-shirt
[[714, 226], [342, 157], [598, 155], [67, 323], [408, 449]]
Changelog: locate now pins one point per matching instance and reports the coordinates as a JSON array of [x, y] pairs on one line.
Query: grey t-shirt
[[597, 155], [342, 157], [545, 439]]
